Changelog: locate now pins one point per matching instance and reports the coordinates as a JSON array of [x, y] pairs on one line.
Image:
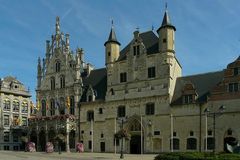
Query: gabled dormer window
[[187, 99], [136, 50]]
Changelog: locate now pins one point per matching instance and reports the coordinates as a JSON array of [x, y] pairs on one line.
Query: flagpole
[[141, 137], [206, 132], [92, 134], [171, 132], [115, 130]]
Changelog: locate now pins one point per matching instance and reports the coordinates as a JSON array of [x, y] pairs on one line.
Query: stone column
[[67, 142], [67, 135]]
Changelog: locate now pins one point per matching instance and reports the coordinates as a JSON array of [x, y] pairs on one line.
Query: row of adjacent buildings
[[141, 89]]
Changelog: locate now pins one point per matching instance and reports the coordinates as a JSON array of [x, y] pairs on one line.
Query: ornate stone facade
[[16, 108], [142, 91]]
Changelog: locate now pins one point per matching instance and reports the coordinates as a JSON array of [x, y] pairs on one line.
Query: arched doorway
[[230, 141], [135, 144], [229, 138], [42, 140], [134, 128]]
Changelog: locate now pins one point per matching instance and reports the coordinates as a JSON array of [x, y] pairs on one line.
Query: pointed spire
[[166, 20], [57, 25], [112, 36]]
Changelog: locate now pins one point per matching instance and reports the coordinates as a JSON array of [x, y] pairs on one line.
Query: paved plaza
[[13, 155]]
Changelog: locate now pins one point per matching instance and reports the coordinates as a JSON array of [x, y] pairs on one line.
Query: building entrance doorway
[[231, 141], [102, 146], [135, 144]]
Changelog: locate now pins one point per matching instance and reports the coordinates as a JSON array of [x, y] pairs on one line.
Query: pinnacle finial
[[166, 6], [57, 25], [112, 23]]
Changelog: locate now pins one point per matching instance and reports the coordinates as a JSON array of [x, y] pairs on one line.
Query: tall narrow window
[[72, 109], [52, 107], [123, 77], [175, 144], [191, 143], [62, 82], [58, 65], [44, 112], [6, 105], [6, 120], [136, 50], [15, 106], [6, 137], [151, 72], [52, 81], [121, 111], [150, 108], [25, 107], [90, 115]]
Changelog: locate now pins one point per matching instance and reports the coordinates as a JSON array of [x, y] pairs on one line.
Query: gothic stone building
[[14, 113], [141, 90]]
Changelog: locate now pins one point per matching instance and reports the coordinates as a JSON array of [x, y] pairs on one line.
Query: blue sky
[[207, 36]]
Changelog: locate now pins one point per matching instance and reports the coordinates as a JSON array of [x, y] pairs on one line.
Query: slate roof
[[150, 40], [98, 80], [203, 84], [166, 22], [112, 37]]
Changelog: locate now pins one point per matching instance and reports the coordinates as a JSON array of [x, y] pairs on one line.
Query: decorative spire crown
[[166, 20], [57, 25], [112, 36]]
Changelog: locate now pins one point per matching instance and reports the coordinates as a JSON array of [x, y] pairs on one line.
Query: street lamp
[[122, 120], [60, 136], [215, 114]]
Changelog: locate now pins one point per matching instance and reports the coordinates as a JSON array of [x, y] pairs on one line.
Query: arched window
[[44, 111], [175, 144], [62, 106], [72, 108], [62, 81], [24, 107], [52, 83], [16, 105], [191, 143], [6, 104], [90, 115], [52, 107], [58, 66]]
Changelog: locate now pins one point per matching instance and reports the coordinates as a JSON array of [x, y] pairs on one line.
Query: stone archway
[[134, 128]]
